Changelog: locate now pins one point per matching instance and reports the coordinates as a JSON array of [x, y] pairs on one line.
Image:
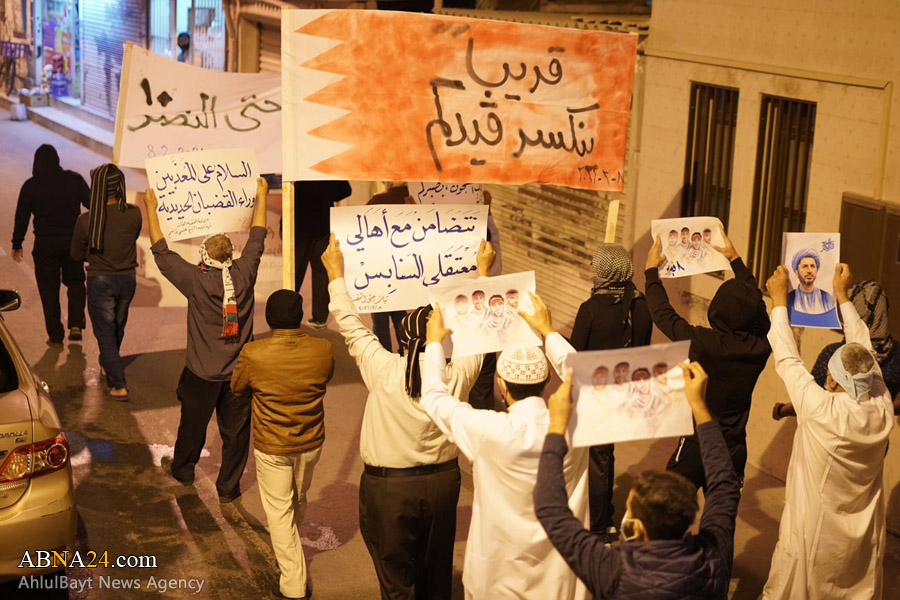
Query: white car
[[37, 503]]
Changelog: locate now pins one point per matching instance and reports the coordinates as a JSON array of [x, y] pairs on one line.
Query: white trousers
[[283, 482]]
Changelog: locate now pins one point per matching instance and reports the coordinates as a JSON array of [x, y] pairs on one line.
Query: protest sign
[[168, 107], [629, 394], [393, 253], [201, 193], [810, 259], [484, 313], [687, 244], [434, 192], [483, 100]]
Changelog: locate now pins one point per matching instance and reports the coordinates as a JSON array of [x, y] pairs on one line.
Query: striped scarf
[[229, 304], [107, 181], [412, 338]]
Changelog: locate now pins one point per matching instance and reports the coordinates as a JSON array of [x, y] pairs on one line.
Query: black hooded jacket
[[53, 195], [734, 350]]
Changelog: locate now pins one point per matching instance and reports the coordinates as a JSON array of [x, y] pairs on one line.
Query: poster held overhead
[[202, 193], [688, 245], [483, 313], [394, 253], [487, 101], [810, 259], [168, 107], [629, 394]]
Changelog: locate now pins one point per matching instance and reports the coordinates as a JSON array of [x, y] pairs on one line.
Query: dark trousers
[[308, 252], [686, 458], [53, 262], [108, 299], [601, 476], [409, 526], [381, 326], [482, 393], [199, 398]]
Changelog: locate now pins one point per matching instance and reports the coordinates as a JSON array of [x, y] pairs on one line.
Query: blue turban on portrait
[[805, 253]]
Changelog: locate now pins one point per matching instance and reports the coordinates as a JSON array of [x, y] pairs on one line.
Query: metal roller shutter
[[107, 26], [553, 231], [269, 49]]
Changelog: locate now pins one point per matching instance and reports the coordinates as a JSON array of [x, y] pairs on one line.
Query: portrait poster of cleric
[[810, 259], [483, 313], [629, 394], [690, 245]]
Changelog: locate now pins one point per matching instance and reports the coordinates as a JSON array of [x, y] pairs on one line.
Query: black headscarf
[[412, 340], [284, 309], [106, 181], [738, 308], [46, 161]]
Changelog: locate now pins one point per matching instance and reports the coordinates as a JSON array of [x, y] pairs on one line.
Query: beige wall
[[841, 55]]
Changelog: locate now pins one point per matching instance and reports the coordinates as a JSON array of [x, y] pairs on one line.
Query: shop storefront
[[57, 29]]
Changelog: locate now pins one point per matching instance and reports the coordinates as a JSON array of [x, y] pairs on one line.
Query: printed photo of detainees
[[689, 245]]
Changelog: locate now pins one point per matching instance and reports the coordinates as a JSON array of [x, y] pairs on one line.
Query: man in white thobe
[[832, 535], [508, 554]]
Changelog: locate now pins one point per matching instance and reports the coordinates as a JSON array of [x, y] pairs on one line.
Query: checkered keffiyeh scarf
[[612, 270], [872, 306], [229, 304], [107, 181], [412, 338]]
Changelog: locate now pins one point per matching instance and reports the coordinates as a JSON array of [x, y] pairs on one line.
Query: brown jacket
[[287, 374]]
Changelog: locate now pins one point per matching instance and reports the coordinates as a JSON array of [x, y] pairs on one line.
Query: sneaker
[[55, 343], [228, 499], [120, 394], [75, 334], [317, 324], [276, 592], [166, 464]]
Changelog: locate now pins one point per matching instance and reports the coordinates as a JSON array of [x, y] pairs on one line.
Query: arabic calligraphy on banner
[[168, 107], [201, 193], [393, 254], [484, 100], [434, 192]]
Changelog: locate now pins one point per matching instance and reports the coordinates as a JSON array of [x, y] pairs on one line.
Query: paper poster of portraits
[[629, 394], [810, 259], [484, 313], [688, 245]]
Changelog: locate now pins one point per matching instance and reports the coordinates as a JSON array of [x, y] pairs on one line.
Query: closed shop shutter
[[270, 49], [107, 26], [553, 231]]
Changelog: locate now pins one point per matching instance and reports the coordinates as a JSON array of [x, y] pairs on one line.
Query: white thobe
[[508, 554], [832, 535]]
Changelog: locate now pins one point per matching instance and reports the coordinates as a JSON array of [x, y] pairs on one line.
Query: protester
[[482, 394], [396, 193], [871, 304], [287, 374], [508, 555], [312, 223], [184, 47], [832, 534], [733, 350], [55, 197], [106, 238], [220, 321], [615, 316], [410, 486], [657, 558]]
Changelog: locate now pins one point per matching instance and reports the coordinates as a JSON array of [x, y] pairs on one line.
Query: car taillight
[[36, 459]]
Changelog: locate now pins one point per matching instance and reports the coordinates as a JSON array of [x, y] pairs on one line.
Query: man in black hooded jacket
[[733, 351], [55, 197]]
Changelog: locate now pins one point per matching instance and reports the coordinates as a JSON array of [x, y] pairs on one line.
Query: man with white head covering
[[219, 291], [508, 554], [832, 536], [809, 305]]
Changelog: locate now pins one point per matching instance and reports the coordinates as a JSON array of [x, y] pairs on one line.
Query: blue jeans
[[108, 299]]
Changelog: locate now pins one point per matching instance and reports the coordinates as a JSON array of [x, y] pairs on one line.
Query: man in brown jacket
[[287, 374]]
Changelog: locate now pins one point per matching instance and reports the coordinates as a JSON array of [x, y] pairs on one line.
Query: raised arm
[[260, 210], [723, 490], [799, 382], [855, 331], [555, 345], [664, 316], [595, 563], [173, 267], [151, 204], [370, 356]]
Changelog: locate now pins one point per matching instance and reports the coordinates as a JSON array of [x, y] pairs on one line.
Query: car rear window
[[9, 378]]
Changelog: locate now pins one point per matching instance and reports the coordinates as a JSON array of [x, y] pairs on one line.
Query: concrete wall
[[841, 55]]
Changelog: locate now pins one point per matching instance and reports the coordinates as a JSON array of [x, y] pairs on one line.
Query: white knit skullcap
[[522, 364]]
